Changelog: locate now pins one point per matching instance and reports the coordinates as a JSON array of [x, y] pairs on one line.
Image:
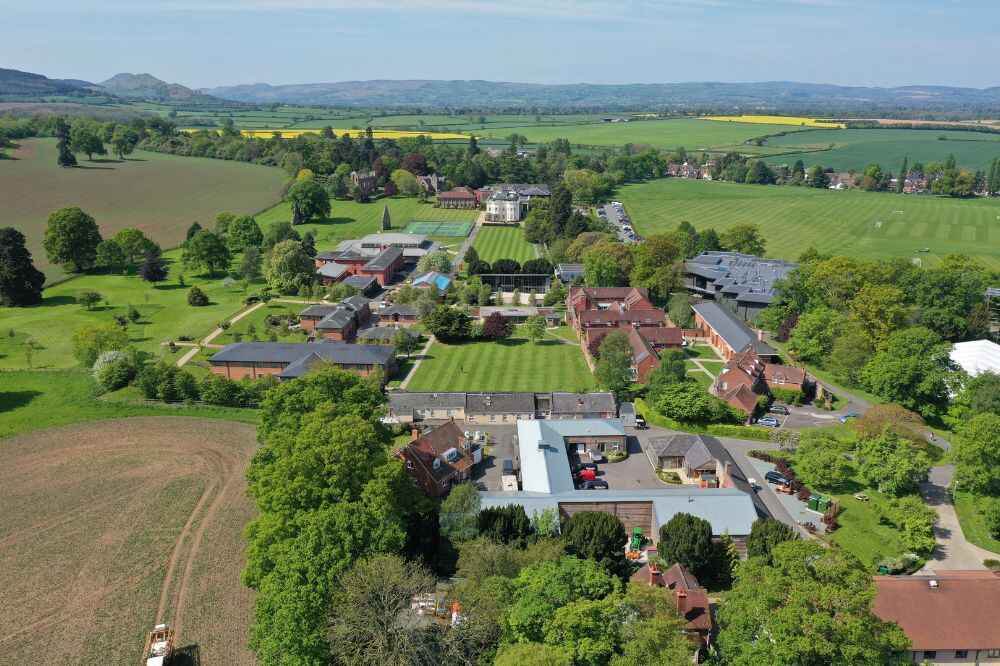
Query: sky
[[205, 43]]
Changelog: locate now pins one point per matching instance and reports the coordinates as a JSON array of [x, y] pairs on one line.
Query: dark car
[[776, 478], [584, 465], [594, 484]]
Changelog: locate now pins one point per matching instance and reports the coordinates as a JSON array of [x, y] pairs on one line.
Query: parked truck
[[159, 646]]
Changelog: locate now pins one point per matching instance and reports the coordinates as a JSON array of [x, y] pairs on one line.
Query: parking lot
[[632, 473], [615, 215]]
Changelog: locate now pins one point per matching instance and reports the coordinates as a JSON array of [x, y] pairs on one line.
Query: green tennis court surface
[[436, 228]]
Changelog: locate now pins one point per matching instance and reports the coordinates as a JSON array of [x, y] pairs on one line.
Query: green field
[[692, 133], [46, 399], [847, 149], [494, 243], [353, 220], [509, 365], [862, 224], [164, 309], [159, 194]]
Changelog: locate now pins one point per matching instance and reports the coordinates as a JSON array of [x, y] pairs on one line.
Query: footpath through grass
[[32, 400], [855, 223], [509, 365], [494, 243]]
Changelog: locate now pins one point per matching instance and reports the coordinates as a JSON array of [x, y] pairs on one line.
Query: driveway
[[952, 552]]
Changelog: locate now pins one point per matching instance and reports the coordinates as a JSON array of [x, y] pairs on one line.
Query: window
[[993, 652], [961, 654], [930, 654]]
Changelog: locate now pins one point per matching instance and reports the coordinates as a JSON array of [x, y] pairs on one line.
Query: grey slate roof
[[696, 450], [290, 352], [336, 320], [403, 402], [332, 270], [318, 310], [360, 282], [731, 329], [403, 309], [384, 259], [500, 403], [356, 302], [742, 277], [583, 403]]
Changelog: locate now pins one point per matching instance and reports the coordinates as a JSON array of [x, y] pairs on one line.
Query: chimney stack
[[682, 602], [414, 434]]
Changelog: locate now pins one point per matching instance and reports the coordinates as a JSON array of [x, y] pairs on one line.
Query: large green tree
[[892, 464], [244, 233], [207, 251], [309, 201], [745, 238], [289, 267], [687, 540], [134, 244], [656, 265], [71, 239], [597, 536], [808, 605], [84, 138], [20, 282], [765, 534], [613, 369], [911, 368], [976, 454]]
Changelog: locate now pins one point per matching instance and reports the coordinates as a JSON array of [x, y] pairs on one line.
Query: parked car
[[586, 475], [776, 478], [584, 465], [768, 422], [640, 422], [594, 484], [779, 409], [848, 416]]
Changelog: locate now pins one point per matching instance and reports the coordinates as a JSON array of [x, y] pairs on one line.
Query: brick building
[[288, 360]]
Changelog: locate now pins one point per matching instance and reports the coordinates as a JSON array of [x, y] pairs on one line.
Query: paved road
[[953, 552], [467, 243], [182, 361], [420, 359]]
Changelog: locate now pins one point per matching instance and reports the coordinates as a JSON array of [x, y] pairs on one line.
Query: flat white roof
[[977, 356], [544, 462]]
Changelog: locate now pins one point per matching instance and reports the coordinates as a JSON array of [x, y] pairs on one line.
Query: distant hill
[[16, 82], [784, 95], [147, 86]]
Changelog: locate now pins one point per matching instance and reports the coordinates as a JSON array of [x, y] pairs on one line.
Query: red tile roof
[[960, 613]]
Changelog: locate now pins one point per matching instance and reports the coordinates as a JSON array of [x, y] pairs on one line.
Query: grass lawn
[[969, 508], [159, 194], [165, 314], [253, 326], [353, 220], [30, 400], [701, 378], [861, 533], [701, 351], [494, 243], [510, 365], [861, 224], [563, 333]]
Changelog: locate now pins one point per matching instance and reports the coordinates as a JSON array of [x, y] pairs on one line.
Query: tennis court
[[439, 228]]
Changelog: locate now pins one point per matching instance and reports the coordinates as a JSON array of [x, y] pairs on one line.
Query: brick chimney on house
[[414, 434], [726, 478], [682, 601]]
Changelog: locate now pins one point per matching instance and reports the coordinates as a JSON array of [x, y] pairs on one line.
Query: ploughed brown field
[[109, 527]]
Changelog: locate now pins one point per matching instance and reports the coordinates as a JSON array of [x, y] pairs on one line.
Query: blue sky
[[218, 42]]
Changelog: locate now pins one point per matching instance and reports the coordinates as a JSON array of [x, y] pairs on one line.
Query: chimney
[[727, 475], [682, 602], [414, 434]]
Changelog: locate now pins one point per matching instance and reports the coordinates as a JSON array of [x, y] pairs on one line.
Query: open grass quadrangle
[[855, 223], [508, 365], [494, 243]]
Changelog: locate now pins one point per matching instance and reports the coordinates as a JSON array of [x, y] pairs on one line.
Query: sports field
[[349, 219], [845, 149], [494, 243], [159, 194], [864, 224], [437, 228], [508, 365], [692, 133], [113, 526]]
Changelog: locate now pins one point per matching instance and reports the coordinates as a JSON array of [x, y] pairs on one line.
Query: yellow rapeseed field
[[778, 120], [353, 133]]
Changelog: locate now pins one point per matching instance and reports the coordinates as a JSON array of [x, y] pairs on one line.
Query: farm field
[[797, 121], [159, 194], [862, 224], [137, 521], [846, 149], [494, 243], [692, 133], [510, 365], [265, 133], [165, 312], [349, 219]]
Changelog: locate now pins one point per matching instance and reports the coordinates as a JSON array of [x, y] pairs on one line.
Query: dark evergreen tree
[[560, 209], [192, 230], [903, 170], [20, 282], [153, 268], [597, 536], [688, 539], [65, 158], [309, 244], [505, 524]]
